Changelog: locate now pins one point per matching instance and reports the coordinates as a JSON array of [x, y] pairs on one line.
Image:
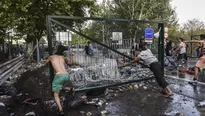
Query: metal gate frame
[[192, 37], [52, 19]]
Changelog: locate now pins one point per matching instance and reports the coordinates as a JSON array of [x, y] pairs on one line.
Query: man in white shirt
[[155, 66], [181, 50]]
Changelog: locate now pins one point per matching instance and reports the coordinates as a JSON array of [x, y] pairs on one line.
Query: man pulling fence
[[149, 59]]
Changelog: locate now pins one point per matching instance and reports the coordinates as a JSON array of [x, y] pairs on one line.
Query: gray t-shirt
[[147, 57]]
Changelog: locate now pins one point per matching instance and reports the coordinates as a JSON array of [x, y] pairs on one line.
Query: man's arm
[[46, 61], [194, 41], [132, 62], [70, 63], [178, 48]]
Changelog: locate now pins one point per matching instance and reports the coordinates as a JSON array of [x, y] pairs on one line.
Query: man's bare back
[[58, 63]]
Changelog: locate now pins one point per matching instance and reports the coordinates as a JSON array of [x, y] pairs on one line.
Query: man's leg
[[57, 99], [156, 69], [196, 73]]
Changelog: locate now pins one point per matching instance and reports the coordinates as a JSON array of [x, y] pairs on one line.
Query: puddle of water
[[184, 105]]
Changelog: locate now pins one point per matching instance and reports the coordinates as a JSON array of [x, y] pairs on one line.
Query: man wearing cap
[[150, 60]]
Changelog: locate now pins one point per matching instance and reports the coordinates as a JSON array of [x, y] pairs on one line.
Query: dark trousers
[[158, 73], [182, 56]]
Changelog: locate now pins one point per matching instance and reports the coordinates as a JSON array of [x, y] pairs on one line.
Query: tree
[[29, 17], [192, 27], [137, 10]]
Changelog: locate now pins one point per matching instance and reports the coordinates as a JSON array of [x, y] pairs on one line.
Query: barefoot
[[168, 92], [84, 97], [168, 95]]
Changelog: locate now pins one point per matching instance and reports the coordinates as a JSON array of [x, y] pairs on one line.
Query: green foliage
[[28, 17], [160, 10], [76, 39]]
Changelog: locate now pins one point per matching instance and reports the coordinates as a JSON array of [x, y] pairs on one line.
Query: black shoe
[[61, 113], [194, 79], [194, 83]]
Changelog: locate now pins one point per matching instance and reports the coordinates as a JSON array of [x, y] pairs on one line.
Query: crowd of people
[[181, 52]]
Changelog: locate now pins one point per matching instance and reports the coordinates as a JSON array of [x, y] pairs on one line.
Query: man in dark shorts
[[61, 74], [155, 66]]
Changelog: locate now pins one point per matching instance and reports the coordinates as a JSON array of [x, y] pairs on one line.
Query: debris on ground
[[89, 114], [30, 114], [31, 102], [8, 90], [3, 110], [202, 103]]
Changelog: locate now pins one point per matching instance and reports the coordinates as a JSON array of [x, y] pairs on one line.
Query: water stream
[[99, 70]]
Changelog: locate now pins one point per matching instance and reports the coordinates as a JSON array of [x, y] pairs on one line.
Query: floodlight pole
[[50, 51]]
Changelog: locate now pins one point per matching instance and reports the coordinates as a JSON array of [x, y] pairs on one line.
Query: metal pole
[[59, 37], [38, 56], [161, 45], [103, 32], [49, 39], [9, 39], [113, 85], [3, 55], [191, 45]]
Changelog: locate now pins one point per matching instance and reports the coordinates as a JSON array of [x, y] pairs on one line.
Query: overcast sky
[[189, 9]]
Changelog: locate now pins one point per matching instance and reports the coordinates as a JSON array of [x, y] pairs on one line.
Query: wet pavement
[[137, 99]]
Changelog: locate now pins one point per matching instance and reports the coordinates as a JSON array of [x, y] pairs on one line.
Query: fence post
[[49, 39], [161, 45]]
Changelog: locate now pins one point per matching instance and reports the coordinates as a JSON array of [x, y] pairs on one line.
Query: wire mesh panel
[[100, 46], [193, 49]]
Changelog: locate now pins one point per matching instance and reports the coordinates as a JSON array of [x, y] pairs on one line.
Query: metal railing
[[9, 67]]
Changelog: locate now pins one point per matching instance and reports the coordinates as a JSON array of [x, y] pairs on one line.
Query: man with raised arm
[[155, 66], [201, 61]]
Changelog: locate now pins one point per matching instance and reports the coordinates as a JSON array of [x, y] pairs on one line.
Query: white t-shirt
[[147, 57], [183, 48]]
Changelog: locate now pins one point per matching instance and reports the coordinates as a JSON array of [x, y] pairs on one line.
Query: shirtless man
[[61, 74], [201, 61]]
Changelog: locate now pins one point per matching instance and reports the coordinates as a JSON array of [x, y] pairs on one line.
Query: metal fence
[[114, 41]]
